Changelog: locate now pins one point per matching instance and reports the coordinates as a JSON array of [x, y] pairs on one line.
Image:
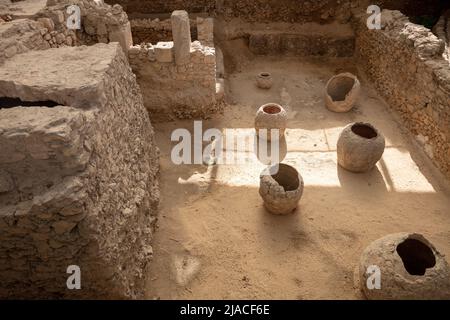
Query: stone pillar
[[205, 30], [122, 35], [181, 32]]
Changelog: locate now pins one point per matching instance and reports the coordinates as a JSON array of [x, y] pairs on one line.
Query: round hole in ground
[[272, 109], [339, 87], [287, 177], [364, 131], [416, 256]]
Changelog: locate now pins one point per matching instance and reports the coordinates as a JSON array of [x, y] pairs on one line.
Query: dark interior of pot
[[264, 74], [287, 177], [416, 256], [272, 109], [339, 87], [364, 131]]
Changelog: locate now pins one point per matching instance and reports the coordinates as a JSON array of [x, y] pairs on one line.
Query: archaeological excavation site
[[225, 150]]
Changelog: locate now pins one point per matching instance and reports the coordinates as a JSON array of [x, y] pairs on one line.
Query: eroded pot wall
[[404, 61]]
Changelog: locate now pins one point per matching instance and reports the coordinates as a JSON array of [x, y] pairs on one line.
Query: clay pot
[[270, 116], [359, 147], [342, 91], [281, 187], [410, 267], [264, 80]]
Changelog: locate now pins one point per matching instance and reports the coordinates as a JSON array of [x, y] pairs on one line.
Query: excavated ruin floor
[[216, 241]]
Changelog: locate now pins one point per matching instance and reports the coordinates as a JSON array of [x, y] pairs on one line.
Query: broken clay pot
[[281, 187], [342, 91], [403, 266]]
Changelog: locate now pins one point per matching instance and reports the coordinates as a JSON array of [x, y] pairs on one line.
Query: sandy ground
[[216, 241]]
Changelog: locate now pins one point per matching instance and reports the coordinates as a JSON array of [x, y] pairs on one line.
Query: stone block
[[164, 51]]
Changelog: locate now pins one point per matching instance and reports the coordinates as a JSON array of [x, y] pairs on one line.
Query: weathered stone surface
[[20, 36], [181, 33], [84, 87], [77, 191]]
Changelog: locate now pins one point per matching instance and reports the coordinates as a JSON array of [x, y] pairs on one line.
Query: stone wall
[[20, 36], [405, 63], [176, 91], [148, 30], [298, 11], [48, 29], [100, 23], [78, 175], [293, 11], [165, 6], [178, 81]]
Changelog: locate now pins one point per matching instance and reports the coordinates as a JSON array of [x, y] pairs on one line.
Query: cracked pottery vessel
[[342, 91], [410, 267], [281, 189]]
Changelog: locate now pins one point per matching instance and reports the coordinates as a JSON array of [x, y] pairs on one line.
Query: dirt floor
[[216, 241]]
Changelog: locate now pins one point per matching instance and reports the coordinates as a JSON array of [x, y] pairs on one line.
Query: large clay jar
[[407, 266], [264, 80], [342, 91], [281, 187], [359, 147], [270, 116]]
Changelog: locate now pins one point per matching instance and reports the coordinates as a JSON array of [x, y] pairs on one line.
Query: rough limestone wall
[[100, 23], [405, 63], [442, 31], [78, 183], [48, 29], [176, 91], [286, 10], [20, 36], [165, 6]]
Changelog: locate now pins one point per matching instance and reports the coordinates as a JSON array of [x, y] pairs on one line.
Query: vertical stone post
[[181, 32]]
